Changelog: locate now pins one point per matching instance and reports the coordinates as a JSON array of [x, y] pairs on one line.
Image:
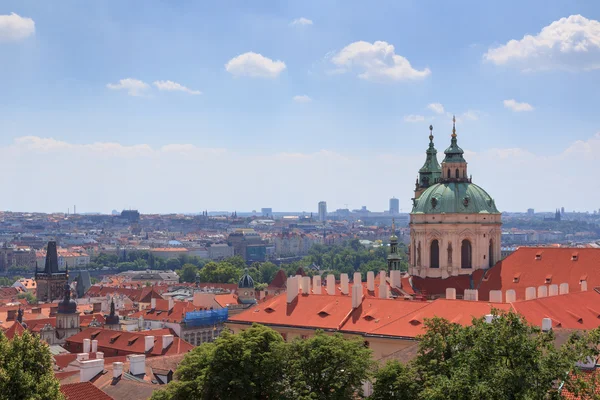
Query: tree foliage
[[188, 273], [26, 369], [327, 367], [504, 359], [258, 364]]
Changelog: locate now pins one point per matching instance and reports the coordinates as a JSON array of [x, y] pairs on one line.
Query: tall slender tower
[[430, 172], [393, 258], [50, 282]]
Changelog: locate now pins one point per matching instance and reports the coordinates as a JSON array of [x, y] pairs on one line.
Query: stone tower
[[50, 282]]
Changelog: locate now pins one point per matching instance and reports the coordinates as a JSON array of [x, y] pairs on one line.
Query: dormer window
[[538, 256], [574, 257], [548, 279]]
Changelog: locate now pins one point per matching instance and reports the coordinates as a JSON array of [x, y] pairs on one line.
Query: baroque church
[[455, 227]]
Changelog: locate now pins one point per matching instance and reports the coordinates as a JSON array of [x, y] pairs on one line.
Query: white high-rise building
[[322, 211]]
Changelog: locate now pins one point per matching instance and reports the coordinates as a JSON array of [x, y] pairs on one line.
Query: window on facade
[[448, 173], [457, 173], [465, 254], [491, 254], [434, 254]]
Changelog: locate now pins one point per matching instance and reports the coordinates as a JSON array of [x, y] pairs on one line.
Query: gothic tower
[[50, 282]]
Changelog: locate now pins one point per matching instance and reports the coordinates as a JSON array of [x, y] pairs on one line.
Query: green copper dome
[[455, 197]]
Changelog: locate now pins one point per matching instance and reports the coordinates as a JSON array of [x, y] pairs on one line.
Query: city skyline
[[181, 108]]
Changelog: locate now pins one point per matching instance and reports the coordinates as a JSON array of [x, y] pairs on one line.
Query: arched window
[[491, 254], [434, 254], [465, 254], [457, 173], [448, 173]]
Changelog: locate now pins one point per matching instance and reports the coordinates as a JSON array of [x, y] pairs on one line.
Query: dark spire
[[454, 153], [430, 172], [112, 307], [20, 315], [51, 266]]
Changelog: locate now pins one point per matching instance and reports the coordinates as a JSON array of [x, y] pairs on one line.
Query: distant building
[[394, 206], [322, 211], [530, 212], [267, 212], [131, 215], [220, 251], [160, 277], [12, 256], [50, 282], [249, 245]]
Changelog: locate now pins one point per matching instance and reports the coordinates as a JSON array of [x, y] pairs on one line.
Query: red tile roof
[[162, 313], [310, 311], [15, 329], [127, 342], [531, 266], [83, 391], [437, 286], [374, 313], [226, 299], [458, 311], [579, 310]]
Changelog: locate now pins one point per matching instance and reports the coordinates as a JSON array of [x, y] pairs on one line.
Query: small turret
[[454, 166], [430, 172]]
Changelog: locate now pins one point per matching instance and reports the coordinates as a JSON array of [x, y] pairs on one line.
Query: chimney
[[148, 343], [344, 283], [584, 286], [396, 278], [357, 278], [171, 303], [553, 290], [495, 296], [306, 285], [489, 317], [117, 370], [152, 303], [330, 284], [530, 293], [137, 363], [371, 281], [82, 356], [99, 354], [511, 296], [292, 288], [357, 295], [542, 291], [382, 285], [546, 324], [141, 322], [86, 345], [451, 293], [317, 284], [564, 288], [471, 295], [166, 341], [94, 346], [11, 315], [88, 369]]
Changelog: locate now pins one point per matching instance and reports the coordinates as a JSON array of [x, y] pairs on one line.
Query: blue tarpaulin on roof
[[207, 317]]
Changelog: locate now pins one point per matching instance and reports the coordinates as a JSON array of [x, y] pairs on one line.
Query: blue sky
[[371, 77]]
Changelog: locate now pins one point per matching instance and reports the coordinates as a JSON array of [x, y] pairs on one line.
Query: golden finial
[[453, 126], [393, 225], [430, 132]]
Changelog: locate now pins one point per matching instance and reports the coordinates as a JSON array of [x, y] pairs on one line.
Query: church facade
[[455, 227]]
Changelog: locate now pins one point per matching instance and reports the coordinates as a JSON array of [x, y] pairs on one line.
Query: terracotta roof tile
[[83, 391]]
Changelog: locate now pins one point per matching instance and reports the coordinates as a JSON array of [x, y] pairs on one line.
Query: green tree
[[173, 264], [327, 367], [268, 270], [248, 365], [30, 297], [26, 369], [189, 272], [503, 359]]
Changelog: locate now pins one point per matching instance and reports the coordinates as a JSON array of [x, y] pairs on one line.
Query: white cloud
[[470, 114], [15, 27], [376, 61], [134, 87], [27, 156], [516, 106], [436, 107], [174, 87], [301, 21], [571, 43], [302, 99], [414, 118], [254, 65]]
